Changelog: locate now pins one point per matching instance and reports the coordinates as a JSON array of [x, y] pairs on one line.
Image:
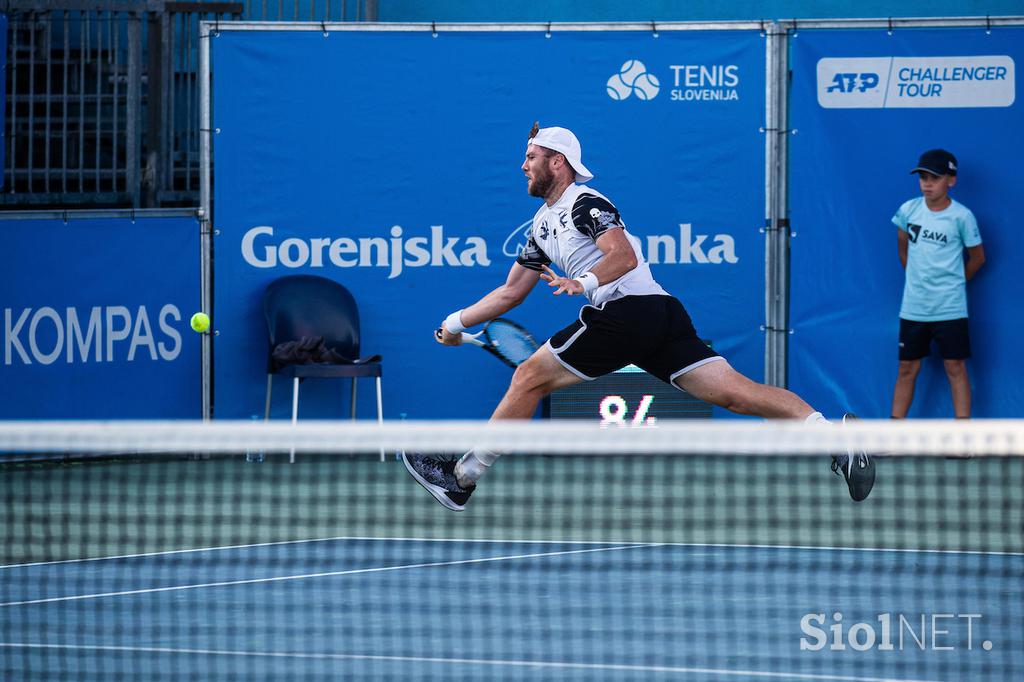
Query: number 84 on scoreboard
[[614, 411]]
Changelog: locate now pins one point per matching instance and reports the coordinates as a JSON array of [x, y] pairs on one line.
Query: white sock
[[473, 464], [819, 418]]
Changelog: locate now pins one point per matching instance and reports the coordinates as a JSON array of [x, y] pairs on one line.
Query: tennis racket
[[504, 339]]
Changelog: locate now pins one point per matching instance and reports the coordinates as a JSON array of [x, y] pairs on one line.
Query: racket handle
[[471, 339]]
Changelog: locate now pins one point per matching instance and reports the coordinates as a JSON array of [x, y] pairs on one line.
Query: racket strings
[[514, 344]]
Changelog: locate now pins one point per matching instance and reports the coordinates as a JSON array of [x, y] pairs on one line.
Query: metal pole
[[189, 140], [165, 174], [172, 74], [48, 25], [134, 107], [98, 136], [370, 14], [12, 159], [776, 325], [31, 134], [114, 59], [770, 187], [153, 162], [205, 212], [64, 101], [782, 231], [83, 60]]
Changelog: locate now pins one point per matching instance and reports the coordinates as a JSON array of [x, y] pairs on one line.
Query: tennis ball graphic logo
[[617, 88], [633, 78], [646, 86], [632, 70]]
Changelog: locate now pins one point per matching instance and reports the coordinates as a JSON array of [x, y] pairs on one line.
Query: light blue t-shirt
[[935, 285]]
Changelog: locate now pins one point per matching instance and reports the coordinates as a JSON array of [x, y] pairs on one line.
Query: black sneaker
[[856, 467], [438, 477]]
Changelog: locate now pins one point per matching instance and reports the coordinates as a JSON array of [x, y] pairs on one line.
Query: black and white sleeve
[[532, 256], [593, 215]]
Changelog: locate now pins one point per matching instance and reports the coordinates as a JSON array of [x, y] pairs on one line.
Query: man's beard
[[540, 186]]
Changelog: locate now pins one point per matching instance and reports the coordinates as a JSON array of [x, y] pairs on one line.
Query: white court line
[[820, 677], [356, 571], [819, 548], [299, 542]]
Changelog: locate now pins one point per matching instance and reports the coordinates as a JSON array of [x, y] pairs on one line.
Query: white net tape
[[886, 437]]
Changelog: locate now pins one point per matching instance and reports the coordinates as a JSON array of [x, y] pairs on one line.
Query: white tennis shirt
[[566, 233]]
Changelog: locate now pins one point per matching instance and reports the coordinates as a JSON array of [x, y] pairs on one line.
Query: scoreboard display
[[628, 396]]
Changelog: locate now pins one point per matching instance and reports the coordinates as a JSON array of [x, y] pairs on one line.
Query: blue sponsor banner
[[866, 104], [390, 162], [96, 319]]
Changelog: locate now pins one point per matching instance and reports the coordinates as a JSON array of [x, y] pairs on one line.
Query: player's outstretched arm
[[619, 258], [514, 291]]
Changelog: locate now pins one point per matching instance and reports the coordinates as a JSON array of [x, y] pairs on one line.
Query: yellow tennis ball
[[200, 322]]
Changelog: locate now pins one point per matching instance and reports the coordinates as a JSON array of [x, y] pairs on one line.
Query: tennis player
[[628, 319]]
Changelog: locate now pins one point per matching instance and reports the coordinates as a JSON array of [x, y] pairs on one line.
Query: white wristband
[[589, 281], [453, 323]]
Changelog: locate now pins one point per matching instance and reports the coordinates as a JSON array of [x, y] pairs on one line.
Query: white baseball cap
[[563, 141]]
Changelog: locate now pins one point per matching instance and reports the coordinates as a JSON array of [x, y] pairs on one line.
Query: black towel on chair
[[311, 350]]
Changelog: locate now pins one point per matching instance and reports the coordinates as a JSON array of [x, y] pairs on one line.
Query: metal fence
[[102, 97], [310, 10]]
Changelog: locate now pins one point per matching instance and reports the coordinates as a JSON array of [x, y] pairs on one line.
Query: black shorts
[[652, 332], [950, 336]]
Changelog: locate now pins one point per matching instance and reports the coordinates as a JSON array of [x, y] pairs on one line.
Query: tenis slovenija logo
[[633, 79]]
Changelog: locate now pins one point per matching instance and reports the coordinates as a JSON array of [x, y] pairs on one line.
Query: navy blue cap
[[936, 162]]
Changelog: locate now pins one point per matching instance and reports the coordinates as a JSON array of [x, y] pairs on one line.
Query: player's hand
[[445, 337], [561, 285]]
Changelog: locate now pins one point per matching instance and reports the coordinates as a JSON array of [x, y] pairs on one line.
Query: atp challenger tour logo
[[916, 82]]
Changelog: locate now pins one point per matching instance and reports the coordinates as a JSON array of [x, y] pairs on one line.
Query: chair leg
[[352, 408], [270, 386], [295, 414], [380, 414]]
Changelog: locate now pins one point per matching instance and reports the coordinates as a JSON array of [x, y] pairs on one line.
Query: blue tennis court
[[563, 568], [357, 608]]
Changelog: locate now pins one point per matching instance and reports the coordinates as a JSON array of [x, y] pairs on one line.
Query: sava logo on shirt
[[917, 232]]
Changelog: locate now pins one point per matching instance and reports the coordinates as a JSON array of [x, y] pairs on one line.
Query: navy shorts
[[950, 336], [652, 332]]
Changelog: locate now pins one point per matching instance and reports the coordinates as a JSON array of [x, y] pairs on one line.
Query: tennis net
[[693, 551]]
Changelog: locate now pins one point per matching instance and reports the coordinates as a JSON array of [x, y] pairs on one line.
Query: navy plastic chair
[[305, 306]]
